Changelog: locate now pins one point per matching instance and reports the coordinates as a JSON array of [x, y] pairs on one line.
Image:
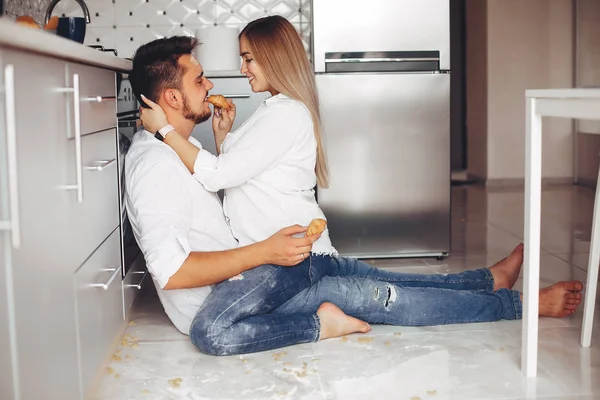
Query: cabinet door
[[7, 334], [246, 102], [97, 97], [44, 308], [92, 219], [99, 297]]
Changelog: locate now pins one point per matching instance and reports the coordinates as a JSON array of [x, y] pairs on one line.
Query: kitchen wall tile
[[185, 30], [305, 10], [193, 12], [102, 36], [128, 39], [228, 16], [287, 9], [102, 12], [148, 12], [126, 13], [235, 11]]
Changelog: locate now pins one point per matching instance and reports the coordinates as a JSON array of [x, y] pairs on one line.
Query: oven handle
[[100, 165], [101, 99], [139, 285], [126, 113]]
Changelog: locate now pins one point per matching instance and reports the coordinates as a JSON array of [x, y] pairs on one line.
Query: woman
[[268, 168]]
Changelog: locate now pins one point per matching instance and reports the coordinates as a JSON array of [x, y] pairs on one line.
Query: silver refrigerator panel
[[380, 25], [387, 140]]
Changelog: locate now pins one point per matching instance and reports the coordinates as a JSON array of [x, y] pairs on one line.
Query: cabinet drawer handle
[[139, 285], [100, 165], [11, 149], [236, 96], [106, 285], [100, 99], [78, 186]]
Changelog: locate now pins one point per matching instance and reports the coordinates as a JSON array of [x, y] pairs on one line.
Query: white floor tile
[[467, 361]]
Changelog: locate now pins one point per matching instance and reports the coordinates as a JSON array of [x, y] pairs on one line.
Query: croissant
[[219, 101], [316, 226]]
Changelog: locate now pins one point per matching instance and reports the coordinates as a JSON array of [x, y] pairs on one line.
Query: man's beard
[[189, 114]]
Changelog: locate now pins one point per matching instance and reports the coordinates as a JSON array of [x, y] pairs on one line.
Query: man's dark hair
[[156, 67]]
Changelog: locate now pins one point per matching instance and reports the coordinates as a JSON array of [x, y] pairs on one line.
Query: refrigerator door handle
[[382, 61]]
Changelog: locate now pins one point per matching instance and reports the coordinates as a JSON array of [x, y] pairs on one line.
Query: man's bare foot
[[334, 322], [506, 272], [560, 299]]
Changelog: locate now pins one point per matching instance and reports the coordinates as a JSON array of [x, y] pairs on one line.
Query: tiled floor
[[473, 361]]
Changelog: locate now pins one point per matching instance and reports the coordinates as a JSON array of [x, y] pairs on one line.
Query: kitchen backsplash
[[124, 25]]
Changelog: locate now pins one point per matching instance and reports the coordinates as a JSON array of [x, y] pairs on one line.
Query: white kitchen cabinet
[[43, 310], [92, 219], [97, 97], [7, 390], [61, 288], [6, 378], [99, 303], [246, 102]]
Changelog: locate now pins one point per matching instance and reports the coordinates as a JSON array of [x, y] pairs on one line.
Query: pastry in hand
[[219, 101], [316, 226]]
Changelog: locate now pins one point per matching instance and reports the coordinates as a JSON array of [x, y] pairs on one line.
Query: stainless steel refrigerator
[[383, 74]]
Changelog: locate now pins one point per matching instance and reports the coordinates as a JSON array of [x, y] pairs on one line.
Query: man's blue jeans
[[272, 306]]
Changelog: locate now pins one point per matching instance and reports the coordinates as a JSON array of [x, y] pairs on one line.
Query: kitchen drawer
[[93, 218], [133, 281], [97, 98], [99, 308], [246, 102]]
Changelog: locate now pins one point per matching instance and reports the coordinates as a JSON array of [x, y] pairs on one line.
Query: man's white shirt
[[171, 215]]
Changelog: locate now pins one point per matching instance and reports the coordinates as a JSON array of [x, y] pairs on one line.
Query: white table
[[567, 103]]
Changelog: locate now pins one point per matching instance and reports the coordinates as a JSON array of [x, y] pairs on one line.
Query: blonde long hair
[[276, 46]]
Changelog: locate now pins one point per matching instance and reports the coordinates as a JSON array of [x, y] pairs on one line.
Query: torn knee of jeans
[[238, 277], [391, 296]]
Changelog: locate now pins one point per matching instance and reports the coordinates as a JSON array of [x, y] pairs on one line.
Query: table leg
[[533, 197], [592, 276]]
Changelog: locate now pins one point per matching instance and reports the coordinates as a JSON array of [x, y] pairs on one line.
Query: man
[[188, 247]]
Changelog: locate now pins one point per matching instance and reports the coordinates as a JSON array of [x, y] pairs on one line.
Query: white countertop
[[571, 93], [37, 41]]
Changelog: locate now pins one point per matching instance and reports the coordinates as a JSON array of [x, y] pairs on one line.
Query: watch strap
[[162, 132]]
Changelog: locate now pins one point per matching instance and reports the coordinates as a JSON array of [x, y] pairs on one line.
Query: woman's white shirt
[[267, 168]]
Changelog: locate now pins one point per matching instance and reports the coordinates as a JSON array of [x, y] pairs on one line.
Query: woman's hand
[[223, 121], [284, 249], [153, 118]]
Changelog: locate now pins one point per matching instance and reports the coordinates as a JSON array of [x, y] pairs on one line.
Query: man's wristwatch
[[162, 132]]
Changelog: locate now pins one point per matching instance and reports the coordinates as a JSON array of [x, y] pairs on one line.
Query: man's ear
[[173, 98]]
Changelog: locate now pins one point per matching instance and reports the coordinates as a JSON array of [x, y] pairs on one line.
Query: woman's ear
[[173, 98]]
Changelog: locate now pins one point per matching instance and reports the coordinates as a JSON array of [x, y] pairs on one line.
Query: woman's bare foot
[[334, 322], [560, 299], [506, 272]]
